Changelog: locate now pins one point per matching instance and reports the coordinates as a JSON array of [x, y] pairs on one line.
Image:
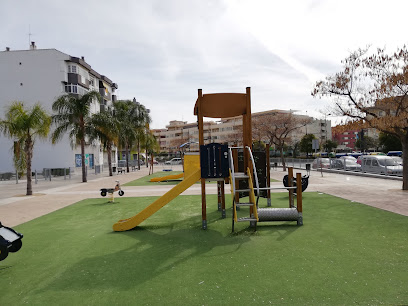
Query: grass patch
[[345, 253], [145, 181]]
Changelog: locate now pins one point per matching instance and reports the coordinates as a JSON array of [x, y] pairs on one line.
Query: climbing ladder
[[262, 214], [234, 178]]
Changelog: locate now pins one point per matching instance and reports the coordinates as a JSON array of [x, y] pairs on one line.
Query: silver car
[[380, 164], [349, 164]]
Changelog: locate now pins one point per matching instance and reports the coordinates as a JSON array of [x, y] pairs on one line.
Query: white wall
[[41, 73]]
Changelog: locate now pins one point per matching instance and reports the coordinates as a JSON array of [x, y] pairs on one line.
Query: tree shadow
[[145, 253]]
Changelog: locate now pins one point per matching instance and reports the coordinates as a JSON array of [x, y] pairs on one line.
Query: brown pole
[[247, 129], [299, 192], [201, 142], [268, 173], [223, 199]]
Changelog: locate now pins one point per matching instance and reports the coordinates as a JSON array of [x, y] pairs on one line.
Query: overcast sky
[[162, 51]]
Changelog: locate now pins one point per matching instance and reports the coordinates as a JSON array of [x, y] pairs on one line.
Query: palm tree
[[73, 115], [132, 117], [104, 126], [151, 146], [24, 125]]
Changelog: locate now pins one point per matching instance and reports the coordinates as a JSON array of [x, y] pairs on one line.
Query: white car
[[174, 161]]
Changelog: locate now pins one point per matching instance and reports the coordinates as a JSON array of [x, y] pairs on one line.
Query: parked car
[[345, 164], [397, 159], [394, 153], [321, 163], [174, 161], [380, 164], [359, 159]]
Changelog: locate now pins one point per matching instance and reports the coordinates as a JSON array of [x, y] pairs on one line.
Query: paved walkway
[[16, 208]]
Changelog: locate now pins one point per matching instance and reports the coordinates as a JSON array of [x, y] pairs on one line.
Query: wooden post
[[219, 195], [268, 174], [201, 142], [247, 130], [223, 216], [299, 192], [290, 182]]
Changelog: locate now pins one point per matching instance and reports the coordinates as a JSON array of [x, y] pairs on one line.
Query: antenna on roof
[[29, 36]]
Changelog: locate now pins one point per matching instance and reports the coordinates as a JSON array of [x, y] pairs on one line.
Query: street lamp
[[325, 124]]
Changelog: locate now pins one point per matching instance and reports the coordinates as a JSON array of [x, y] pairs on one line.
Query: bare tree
[[372, 91], [277, 129]]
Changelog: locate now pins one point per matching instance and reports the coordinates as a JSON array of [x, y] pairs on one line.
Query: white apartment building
[[42, 75], [229, 130]]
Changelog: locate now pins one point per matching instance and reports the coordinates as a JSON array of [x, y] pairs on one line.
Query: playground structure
[[217, 162], [111, 191], [167, 177], [10, 241]]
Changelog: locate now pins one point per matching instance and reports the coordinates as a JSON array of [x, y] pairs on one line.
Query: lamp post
[[325, 124]]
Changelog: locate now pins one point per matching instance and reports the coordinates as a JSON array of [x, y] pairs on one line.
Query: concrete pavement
[[16, 208]]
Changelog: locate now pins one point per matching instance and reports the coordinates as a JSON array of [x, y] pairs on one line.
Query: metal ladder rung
[[246, 219], [242, 190], [244, 204], [241, 175]]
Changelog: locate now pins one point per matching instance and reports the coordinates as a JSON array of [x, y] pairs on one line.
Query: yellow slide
[[167, 177], [127, 224]]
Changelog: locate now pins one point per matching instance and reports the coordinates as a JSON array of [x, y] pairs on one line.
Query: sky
[[162, 51]]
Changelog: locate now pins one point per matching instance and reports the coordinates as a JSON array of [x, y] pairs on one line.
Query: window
[[75, 89], [374, 163], [367, 162], [72, 69]]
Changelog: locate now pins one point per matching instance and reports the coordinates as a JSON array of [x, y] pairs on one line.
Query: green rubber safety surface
[[345, 253]]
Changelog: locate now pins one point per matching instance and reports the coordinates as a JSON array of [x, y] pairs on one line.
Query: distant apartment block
[[42, 75], [228, 130], [346, 140]]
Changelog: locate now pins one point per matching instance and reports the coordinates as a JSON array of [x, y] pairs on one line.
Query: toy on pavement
[[10, 241]]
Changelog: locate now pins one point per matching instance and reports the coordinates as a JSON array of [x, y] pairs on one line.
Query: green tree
[[132, 119], [366, 143], [104, 127], [389, 142], [152, 147], [329, 145], [73, 114], [24, 126], [306, 143]]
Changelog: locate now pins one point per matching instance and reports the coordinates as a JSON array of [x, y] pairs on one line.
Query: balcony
[[75, 89]]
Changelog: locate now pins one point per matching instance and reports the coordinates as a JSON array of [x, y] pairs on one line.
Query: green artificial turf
[[345, 253], [145, 181]]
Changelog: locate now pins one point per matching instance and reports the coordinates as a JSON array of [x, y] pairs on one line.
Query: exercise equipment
[[10, 241], [305, 181]]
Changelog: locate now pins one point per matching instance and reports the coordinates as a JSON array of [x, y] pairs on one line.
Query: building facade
[[42, 75], [230, 130]]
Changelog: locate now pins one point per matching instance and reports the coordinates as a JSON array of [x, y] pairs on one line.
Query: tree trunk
[[282, 158], [109, 150], [404, 143], [138, 154], [84, 180], [127, 157], [29, 157], [147, 163]]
